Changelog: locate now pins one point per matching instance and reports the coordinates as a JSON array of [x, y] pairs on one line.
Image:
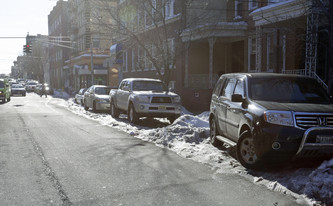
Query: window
[[125, 63], [270, 48], [139, 60], [253, 4], [239, 89], [133, 60], [238, 8], [171, 54], [218, 87], [153, 54], [229, 88], [169, 9], [252, 54]]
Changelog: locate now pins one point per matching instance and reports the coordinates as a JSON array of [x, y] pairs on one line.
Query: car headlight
[[142, 99], [176, 99], [0, 92], [279, 117]]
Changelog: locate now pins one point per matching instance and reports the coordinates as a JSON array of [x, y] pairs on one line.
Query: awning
[[115, 48]]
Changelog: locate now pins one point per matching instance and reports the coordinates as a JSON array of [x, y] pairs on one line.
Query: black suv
[[271, 115]]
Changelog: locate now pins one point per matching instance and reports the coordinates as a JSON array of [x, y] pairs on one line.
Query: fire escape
[[312, 41]]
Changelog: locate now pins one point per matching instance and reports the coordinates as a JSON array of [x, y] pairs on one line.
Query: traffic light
[[27, 48]]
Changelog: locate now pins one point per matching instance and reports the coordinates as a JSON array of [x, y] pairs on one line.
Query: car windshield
[[287, 90], [18, 86], [2, 85], [148, 86], [32, 83], [102, 90]]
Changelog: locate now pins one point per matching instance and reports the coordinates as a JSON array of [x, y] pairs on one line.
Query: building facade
[[91, 39], [59, 46], [211, 37]]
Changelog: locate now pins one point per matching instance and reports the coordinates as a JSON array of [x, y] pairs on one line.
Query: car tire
[[213, 133], [75, 101], [246, 152], [8, 100], [85, 106], [132, 115], [113, 110], [94, 107], [82, 102]]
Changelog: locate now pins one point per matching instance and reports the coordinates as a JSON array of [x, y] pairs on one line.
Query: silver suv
[[142, 97]]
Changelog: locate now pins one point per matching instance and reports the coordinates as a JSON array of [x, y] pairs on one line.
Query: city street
[[51, 156]]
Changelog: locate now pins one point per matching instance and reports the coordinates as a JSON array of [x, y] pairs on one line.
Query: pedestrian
[[43, 92]]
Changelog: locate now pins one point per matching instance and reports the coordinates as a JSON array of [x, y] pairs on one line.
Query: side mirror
[[237, 98], [171, 90]]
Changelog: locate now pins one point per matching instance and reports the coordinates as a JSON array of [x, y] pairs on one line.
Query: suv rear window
[[292, 90]]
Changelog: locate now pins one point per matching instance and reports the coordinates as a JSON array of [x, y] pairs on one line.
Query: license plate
[[161, 107], [324, 139]]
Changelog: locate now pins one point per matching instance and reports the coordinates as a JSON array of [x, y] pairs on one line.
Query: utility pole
[[92, 62]]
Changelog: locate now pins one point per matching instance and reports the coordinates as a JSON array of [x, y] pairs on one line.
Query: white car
[[30, 87], [97, 98], [79, 96]]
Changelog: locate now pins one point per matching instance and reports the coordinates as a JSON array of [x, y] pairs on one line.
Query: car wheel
[[113, 110], [8, 100], [132, 115], [246, 152], [75, 101], [213, 133], [85, 106], [82, 102], [94, 107]]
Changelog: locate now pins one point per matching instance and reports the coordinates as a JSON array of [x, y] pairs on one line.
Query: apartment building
[[189, 44], [58, 45], [91, 39], [291, 36]]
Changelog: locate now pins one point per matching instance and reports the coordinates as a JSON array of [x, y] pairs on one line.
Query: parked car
[[18, 89], [97, 98], [271, 116], [30, 86], [141, 97], [5, 91], [79, 96]]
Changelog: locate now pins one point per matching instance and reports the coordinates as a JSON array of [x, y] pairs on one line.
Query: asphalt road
[[50, 156]]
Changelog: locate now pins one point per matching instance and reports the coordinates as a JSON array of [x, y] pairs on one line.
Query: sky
[[17, 19]]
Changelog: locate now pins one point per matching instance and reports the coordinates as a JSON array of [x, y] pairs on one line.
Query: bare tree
[[145, 26]]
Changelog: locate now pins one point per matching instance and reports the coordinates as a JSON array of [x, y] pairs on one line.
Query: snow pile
[[60, 94], [320, 183], [188, 136]]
